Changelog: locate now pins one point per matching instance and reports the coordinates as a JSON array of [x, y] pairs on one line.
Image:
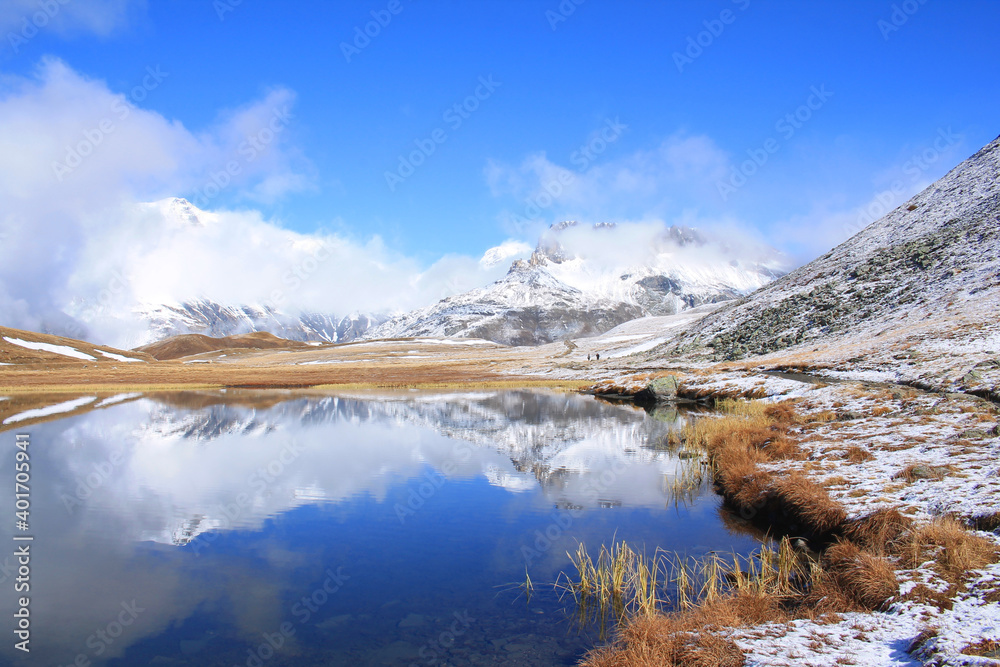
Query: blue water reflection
[[263, 529]]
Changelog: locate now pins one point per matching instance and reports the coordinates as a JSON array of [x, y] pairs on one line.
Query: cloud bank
[[81, 247]]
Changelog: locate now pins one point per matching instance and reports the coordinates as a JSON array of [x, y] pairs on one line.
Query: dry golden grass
[[883, 532], [856, 454], [984, 647], [667, 641], [915, 471], [867, 579], [949, 544], [252, 372], [186, 345], [809, 503]]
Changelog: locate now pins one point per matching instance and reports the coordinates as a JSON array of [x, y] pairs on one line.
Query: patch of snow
[[64, 350], [117, 357], [111, 400], [67, 406]]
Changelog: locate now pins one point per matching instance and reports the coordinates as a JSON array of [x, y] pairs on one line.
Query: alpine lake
[[406, 528]]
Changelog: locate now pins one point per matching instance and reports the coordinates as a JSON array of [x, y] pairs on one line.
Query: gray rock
[[659, 390]]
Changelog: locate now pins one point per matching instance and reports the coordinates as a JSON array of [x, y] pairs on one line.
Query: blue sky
[[561, 78], [449, 129]]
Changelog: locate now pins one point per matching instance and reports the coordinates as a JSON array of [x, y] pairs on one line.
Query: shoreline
[[865, 446]]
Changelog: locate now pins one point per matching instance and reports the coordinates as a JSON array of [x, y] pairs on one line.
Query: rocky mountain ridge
[[558, 294]]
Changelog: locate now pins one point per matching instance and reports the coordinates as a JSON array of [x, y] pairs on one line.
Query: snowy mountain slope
[[161, 317], [217, 320], [915, 293], [572, 286]]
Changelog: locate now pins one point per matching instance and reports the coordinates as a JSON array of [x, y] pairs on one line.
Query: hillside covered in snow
[[914, 297], [583, 281]]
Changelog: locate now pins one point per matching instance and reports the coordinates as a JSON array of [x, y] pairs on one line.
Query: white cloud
[[76, 163], [680, 172]]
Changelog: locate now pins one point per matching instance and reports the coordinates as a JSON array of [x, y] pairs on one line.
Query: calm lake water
[[263, 529]]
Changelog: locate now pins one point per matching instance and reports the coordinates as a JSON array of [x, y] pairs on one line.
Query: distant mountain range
[[217, 320], [560, 292]]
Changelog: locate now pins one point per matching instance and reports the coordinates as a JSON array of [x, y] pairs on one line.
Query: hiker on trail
[[588, 357], [598, 356]]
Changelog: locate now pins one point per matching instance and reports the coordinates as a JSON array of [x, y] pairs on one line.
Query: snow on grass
[[111, 400], [117, 357], [635, 349], [897, 427], [67, 406], [456, 341], [64, 350]]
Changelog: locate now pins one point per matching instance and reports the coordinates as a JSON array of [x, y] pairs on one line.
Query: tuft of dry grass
[[667, 641], [856, 454], [867, 579], [986, 522], [882, 532], [809, 503], [915, 471], [986, 647], [951, 546]]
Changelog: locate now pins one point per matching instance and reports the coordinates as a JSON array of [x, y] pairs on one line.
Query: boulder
[[660, 390]]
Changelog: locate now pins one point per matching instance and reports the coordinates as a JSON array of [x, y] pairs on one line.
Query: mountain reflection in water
[[368, 528]]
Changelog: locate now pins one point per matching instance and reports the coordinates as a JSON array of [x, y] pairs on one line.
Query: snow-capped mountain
[[584, 280], [913, 297], [176, 218], [217, 320], [183, 270]]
